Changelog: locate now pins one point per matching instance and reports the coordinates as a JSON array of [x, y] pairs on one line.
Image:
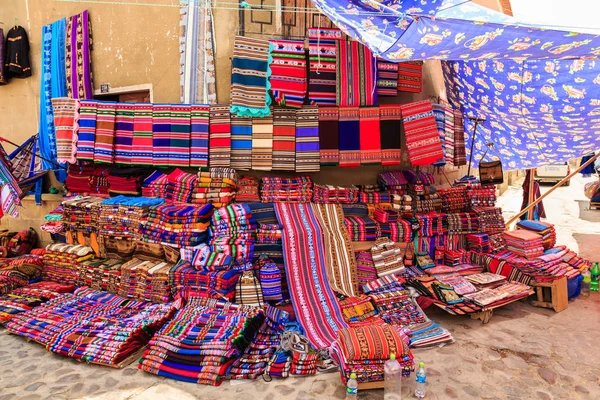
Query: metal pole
[[477, 121]]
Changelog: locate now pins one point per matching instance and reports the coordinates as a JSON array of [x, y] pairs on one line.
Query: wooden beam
[[559, 184]]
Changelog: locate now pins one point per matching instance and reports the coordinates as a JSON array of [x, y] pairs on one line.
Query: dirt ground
[[524, 352]]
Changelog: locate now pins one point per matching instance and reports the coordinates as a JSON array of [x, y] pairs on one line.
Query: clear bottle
[[352, 388], [585, 284], [420, 390], [392, 385]]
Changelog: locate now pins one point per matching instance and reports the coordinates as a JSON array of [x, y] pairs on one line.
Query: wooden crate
[[595, 204], [554, 295]]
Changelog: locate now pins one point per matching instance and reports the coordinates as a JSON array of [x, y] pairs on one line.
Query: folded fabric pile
[[286, 190], [188, 281], [432, 224], [428, 334], [146, 280], [233, 231], [126, 181], [248, 190], [155, 185], [365, 269], [387, 257], [101, 275], [395, 307], [544, 268], [335, 194], [354, 355], [571, 258], [28, 297], [481, 196], [99, 181], [19, 272], [62, 262], [217, 186], [479, 242], [178, 225], [121, 216], [374, 197], [92, 326], [464, 222], [399, 231], [544, 229], [428, 202], [78, 178], [486, 280], [497, 242], [180, 185], [461, 269], [80, 214], [455, 257], [204, 259], [506, 293], [54, 221], [253, 362], [358, 310], [393, 181], [385, 216], [460, 285], [202, 341], [362, 228], [403, 203], [454, 199], [524, 243], [490, 219]]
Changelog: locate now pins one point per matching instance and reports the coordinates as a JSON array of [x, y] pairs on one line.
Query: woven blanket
[[422, 136], [439, 113], [307, 140], [87, 130], [262, 143], [341, 264], [241, 142], [141, 153], [449, 134], [284, 139], [370, 136], [105, 132], [66, 118], [410, 76], [219, 152], [329, 141], [161, 132], [387, 78], [314, 302], [249, 77], [460, 156], [197, 136], [288, 72], [123, 132], [349, 137], [78, 61], [390, 116], [322, 52], [179, 138], [356, 74]]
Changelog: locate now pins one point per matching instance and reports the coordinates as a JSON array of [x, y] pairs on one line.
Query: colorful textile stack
[[233, 231], [99, 181], [92, 326], [362, 228], [486, 280], [356, 74], [358, 310], [322, 52], [142, 134], [454, 199], [335, 194], [390, 116], [257, 355], [479, 242], [204, 259], [219, 152], [387, 78], [241, 142], [394, 181], [453, 258], [387, 257], [217, 186], [395, 307], [508, 292], [189, 281], [440, 122], [464, 222], [146, 280], [124, 182], [403, 203], [367, 361], [179, 225], [202, 341], [284, 139], [101, 274], [315, 304], [544, 229], [121, 216], [179, 186], [288, 72], [490, 219], [17, 272], [80, 215], [365, 268], [481, 196], [449, 133], [248, 190], [54, 221], [459, 284], [497, 242], [28, 297], [289, 190], [374, 197], [308, 156], [428, 334], [62, 262], [123, 133], [329, 140], [410, 76], [397, 231], [155, 185], [422, 137]]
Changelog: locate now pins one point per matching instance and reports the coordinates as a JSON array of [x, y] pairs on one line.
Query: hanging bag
[[490, 172], [249, 291]]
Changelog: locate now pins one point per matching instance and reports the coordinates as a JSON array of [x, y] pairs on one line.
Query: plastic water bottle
[[595, 277], [585, 284], [352, 388], [392, 385], [420, 390]]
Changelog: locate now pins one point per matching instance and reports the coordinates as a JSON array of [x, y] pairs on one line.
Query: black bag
[[490, 172]]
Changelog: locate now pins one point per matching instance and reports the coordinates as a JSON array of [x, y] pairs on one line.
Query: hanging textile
[[262, 144], [460, 157], [241, 142], [180, 138], [142, 134], [105, 132], [66, 118], [87, 130], [199, 135], [123, 132], [219, 152], [3, 79], [439, 114], [355, 75], [449, 134], [78, 58], [370, 136], [307, 139], [249, 77], [390, 116], [410, 76], [322, 50], [197, 53], [387, 78], [329, 141], [349, 128], [17, 64], [288, 72], [10, 193], [422, 137], [284, 139], [161, 130]]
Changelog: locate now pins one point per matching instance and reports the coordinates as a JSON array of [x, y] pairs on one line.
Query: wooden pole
[[559, 184], [531, 193]]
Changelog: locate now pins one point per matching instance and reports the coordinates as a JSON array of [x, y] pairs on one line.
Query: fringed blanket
[[219, 152], [329, 140], [288, 72], [307, 140], [66, 118]]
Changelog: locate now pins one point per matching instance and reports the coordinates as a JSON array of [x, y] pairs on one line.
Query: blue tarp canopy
[[538, 89]]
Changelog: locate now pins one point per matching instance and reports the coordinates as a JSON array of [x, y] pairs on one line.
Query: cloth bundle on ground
[[335, 194], [544, 229], [146, 280], [202, 341], [92, 326], [290, 190], [179, 225], [63, 261], [217, 186], [19, 271], [28, 297], [354, 354]]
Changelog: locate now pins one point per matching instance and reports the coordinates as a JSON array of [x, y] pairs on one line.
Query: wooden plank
[[132, 357], [370, 385], [560, 295]]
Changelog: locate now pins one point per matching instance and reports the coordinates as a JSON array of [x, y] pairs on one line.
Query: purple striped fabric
[[199, 138], [308, 157]]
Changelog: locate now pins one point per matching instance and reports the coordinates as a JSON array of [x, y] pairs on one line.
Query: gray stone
[[544, 395], [69, 378], [302, 395], [56, 389], [93, 389], [9, 396], [581, 389], [34, 386], [451, 392], [33, 396], [269, 396], [110, 383], [494, 356], [284, 390], [318, 386], [548, 375], [129, 371], [515, 362], [471, 391], [567, 378]]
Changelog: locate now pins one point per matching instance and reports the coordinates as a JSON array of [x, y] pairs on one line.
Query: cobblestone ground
[[522, 353]]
